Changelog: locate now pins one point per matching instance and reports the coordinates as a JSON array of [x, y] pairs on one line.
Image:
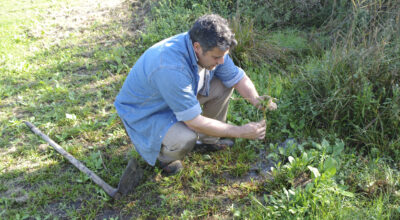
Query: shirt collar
[[197, 62], [192, 54]]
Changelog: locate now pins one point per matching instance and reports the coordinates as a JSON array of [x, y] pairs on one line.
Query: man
[[178, 92]]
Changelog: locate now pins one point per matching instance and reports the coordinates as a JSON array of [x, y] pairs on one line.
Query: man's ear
[[197, 48]]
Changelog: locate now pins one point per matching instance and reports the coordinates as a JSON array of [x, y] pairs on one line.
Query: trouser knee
[[178, 141]]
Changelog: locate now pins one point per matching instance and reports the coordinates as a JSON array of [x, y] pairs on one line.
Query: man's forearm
[[247, 90], [213, 127]]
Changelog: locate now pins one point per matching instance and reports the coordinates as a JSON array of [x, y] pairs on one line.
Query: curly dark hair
[[212, 31]]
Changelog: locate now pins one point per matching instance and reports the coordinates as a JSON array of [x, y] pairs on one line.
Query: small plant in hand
[[267, 103]]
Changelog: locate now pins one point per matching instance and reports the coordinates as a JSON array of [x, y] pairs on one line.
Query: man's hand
[[248, 91], [264, 104], [253, 130]]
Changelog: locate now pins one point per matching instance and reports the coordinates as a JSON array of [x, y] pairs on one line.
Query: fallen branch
[[107, 188]]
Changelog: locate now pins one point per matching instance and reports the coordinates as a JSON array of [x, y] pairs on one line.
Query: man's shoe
[[172, 168], [220, 145]]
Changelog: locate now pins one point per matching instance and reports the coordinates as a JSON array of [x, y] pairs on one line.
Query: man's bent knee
[[178, 141]]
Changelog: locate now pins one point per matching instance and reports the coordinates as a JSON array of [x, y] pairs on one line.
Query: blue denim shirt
[[161, 89]]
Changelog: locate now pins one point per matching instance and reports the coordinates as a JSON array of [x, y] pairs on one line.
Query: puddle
[[261, 169]]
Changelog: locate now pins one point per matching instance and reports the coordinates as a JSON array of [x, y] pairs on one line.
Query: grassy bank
[[334, 66]]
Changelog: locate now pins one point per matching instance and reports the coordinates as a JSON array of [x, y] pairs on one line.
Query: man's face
[[211, 58]]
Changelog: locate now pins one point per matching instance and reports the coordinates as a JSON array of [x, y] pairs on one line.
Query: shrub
[[281, 13], [353, 90], [170, 17]]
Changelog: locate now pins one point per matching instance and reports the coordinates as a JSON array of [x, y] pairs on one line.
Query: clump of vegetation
[[353, 89]]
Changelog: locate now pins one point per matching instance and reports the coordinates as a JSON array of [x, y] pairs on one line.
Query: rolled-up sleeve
[[176, 88], [229, 73]]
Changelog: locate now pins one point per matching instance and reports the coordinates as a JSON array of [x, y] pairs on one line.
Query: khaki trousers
[[180, 139]]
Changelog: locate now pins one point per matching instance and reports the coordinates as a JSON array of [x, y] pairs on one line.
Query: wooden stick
[[107, 188]]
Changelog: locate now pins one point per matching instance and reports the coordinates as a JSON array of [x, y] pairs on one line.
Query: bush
[[170, 17], [353, 90], [283, 13]]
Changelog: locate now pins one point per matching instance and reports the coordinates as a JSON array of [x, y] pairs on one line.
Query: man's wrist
[[255, 101], [234, 131]]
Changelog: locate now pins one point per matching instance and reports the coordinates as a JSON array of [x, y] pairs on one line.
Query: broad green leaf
[[314, 171], [282, 150], [318, 146], [329, 172], [330, 163], [273, 156], [325, 144], [286, 193], [338, 148], [304, 156], [345, 193], [302, 123]]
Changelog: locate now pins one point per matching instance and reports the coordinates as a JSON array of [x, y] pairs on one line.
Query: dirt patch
[[16, 194], [112, 214], [82, 17], [5, 151], [302, 180], [14, 108], [14, 191], [59, 209]]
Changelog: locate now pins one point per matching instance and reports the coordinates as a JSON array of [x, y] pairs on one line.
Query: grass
[[63, 62]]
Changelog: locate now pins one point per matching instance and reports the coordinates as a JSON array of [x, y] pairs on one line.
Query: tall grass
[[353, 90]]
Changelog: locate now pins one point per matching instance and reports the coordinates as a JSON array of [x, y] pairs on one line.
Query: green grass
[[63, 62]]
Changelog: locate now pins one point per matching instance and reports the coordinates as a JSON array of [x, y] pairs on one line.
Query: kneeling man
[[178, 93]]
